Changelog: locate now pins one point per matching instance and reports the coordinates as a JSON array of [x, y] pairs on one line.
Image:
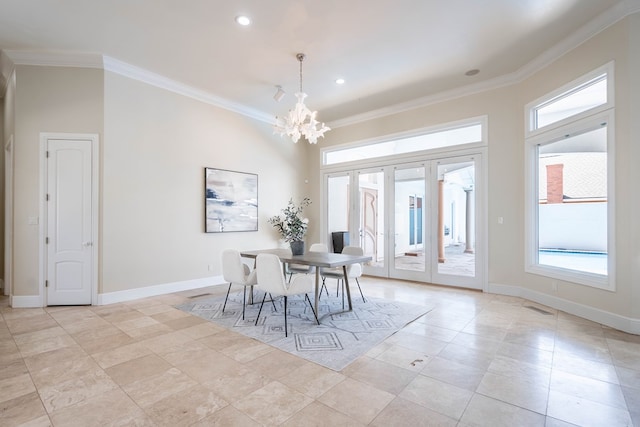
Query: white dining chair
[[354, 271], [236, 272], [272, 281], [305, 269]]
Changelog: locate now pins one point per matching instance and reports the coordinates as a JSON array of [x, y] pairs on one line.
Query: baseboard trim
[[152, 291], [26, 301], [613, 320]]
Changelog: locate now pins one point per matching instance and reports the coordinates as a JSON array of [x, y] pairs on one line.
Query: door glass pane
[[371, 190], [338, 212], [572, 203], [409, 219], [456, 219]]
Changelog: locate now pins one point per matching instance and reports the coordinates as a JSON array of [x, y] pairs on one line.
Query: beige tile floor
[[476, 359]]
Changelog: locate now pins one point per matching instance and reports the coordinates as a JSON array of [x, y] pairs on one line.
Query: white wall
[[633, 154], [5, 138], [47, 99], [7, 130], [573, 226], [156, 146]]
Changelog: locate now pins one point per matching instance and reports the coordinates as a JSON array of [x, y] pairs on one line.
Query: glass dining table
[[316, 259]]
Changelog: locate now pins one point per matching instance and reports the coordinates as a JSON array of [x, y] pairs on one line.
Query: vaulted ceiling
[[392, 54]]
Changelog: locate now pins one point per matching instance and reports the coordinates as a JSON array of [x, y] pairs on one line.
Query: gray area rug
[[341, 337]]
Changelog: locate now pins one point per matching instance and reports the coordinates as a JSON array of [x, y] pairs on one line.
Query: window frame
[[577, 126], [573, 86]]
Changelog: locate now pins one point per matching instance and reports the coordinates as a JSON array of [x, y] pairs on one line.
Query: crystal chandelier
[[300, 121]]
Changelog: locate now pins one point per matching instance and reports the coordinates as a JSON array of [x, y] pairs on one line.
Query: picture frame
[[230, 200]]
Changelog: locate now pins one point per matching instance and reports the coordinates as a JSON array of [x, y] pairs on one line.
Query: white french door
[[371, 219], [455, 212], [410, 225], [418, 221], [355, 207]]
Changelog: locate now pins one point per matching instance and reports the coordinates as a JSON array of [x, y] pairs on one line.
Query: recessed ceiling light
[[472, 72], [340, 81], [243, 20]]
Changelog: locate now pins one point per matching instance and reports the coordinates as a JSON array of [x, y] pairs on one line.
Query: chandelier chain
[[300, 57]]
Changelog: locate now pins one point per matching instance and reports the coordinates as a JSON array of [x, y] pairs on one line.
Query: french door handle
[[87, 244]]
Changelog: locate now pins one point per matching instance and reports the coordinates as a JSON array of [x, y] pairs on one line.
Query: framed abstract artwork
[[231, 201]]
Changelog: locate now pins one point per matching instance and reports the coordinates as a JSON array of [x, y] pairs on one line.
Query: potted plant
[[291, 225]]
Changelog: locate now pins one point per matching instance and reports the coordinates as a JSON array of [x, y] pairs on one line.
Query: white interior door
[[69, 233]]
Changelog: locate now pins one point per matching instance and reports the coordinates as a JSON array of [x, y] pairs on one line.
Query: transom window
[[586, 95], [452, 136], [582, 98]]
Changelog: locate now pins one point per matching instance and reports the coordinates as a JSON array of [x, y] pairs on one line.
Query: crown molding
[[98, 61], [6, 69], [586, 32], [55, 59], [145, 76], [437, 98]]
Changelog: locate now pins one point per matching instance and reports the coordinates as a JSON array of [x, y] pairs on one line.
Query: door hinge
[[46, 240], [47, 197], [46, 283], [46, 154]]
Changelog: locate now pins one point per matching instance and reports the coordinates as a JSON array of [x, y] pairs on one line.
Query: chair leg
[[260, 311], [244, 300], [339, 282], [273, 303], [285, 316], [312, 310], [361, 294], [324, 286], [226, 298]]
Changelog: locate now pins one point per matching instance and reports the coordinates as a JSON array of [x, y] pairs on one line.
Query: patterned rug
[[341, 337]]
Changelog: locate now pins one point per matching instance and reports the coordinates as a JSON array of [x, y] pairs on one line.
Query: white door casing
[[8, 217], [70, 219]]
